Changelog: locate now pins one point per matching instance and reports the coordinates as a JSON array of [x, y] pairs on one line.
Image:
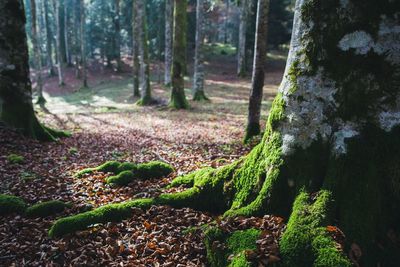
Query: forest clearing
[[200, 133]]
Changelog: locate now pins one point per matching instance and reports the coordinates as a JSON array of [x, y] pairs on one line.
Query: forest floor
[[106, 125]]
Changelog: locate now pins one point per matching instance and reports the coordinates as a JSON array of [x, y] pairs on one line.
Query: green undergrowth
[[306, 241], [11, 204], [126, 172], [235, 244], [47, 208], [15, 159]]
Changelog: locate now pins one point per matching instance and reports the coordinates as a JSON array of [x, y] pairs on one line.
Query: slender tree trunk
[[198, 80], [36, 53], [66, 38], [135, 50], [257, 83], [241, 56], [117, 35], [77, 42], [226, 21], [145, 89], [178, 98], [16, 109], [56, 6], [83, 45], [49, 39], [169, 21]]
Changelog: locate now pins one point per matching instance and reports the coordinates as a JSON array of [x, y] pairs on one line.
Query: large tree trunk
[[56, 7], [257, 83], [178, 98], [117, 27], [83, 45], [241, 55], [169, 21], [16, 109], [198, 79], [135, 50], [37, 54], [145, 89]]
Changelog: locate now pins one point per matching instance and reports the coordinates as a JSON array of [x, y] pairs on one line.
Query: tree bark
[[178, 98], [145, 89], [49, 39], [16, 109], [135, 48], [169, 21], [37, 54], [198, 79], [66, 38], [56, 7], [83, 45], [257, 83], [244, 10], [117, 35]]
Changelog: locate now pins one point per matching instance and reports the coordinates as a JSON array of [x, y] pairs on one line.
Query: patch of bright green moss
[[108, 213], [11, 204], [153, 169], [306, 242], [123, 178], [15, 159], [109, 166], [47, 208]]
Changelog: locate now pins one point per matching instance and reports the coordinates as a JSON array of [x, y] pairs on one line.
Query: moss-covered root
[[108, 213], [122, 178], [11, 204], [220, 246], [306, 242], [109, 166], [47, 208]]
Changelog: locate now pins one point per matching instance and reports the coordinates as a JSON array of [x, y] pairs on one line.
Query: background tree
[[49, 37], [144, 78], [117, 34], [135, 49], [56, 8], [83, 45], [178, 98], [257, 82], [169, 21], [198, 79], [16, 109], [37, 53], [241, 55]]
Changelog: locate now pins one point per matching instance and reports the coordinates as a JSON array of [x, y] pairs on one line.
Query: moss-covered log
[[330, 153], [16, 109]]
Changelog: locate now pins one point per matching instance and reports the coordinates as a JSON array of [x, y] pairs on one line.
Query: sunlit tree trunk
[[36, 53], [198, 79], [145, 89], [241, 55], [66, 37], [169, 21], [56, 7], [117, 34], [257, 83], [135, 50], [178, 98], [49, 38], [16, 109], [83, 45]]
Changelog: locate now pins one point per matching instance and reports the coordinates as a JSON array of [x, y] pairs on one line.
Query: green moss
[[200, 96], [108, 213], [109, 166], [123, 178], [235, 244], [11, 204], [15, 159], [252, 129], [153, 169], [126, 166], [305, 241], [48, 208]]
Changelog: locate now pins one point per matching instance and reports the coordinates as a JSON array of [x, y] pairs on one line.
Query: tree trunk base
[[200, 96]]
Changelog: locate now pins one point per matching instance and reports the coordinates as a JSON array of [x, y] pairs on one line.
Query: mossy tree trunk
[[198, 79], [169, 21], [142, 38], [135, 50], [37, 54], [241, 56], [257, 83], [178, 98], [16, 109]]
